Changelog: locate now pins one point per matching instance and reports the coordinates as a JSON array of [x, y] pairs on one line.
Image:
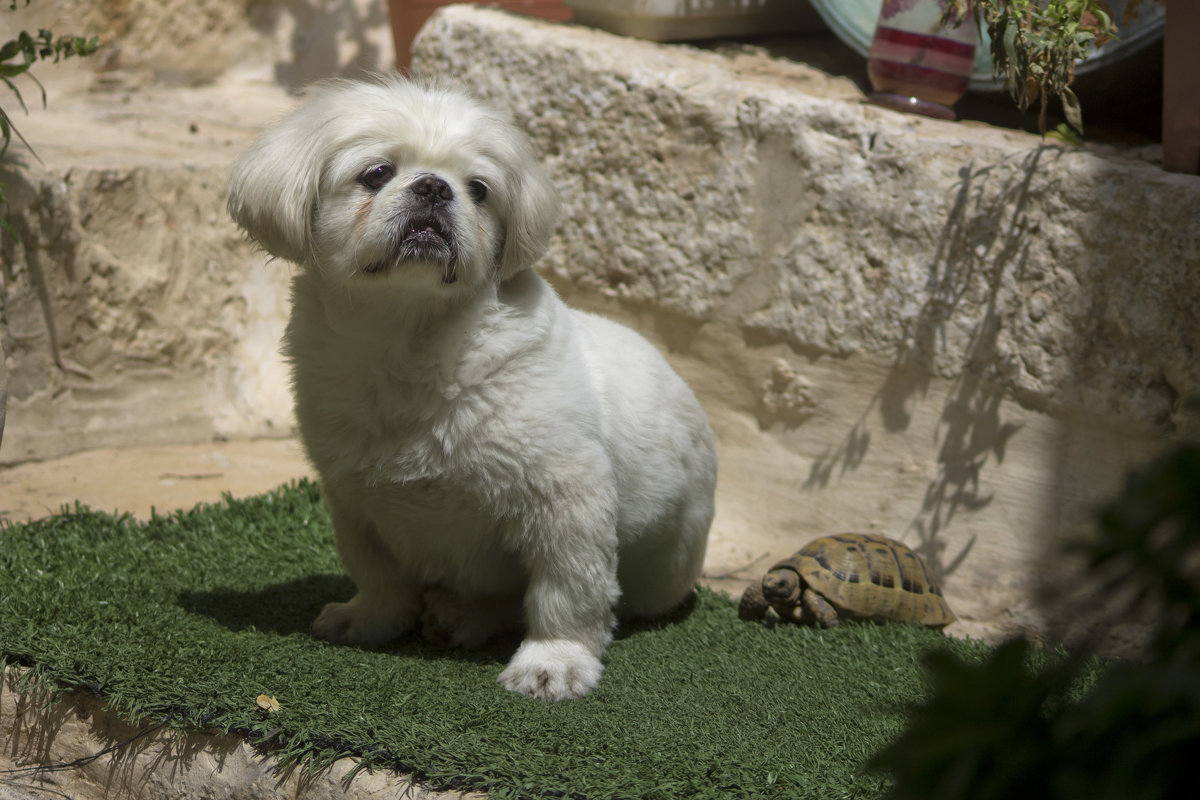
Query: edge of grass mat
[[188, 618]]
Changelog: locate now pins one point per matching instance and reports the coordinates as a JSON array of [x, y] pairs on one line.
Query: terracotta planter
[[1181, 87], [409, 15]]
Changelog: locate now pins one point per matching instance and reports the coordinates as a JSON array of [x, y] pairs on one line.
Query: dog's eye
[[478, 190], [375, 177]]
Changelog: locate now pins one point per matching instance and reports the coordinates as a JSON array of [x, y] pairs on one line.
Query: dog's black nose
[[432, 188]]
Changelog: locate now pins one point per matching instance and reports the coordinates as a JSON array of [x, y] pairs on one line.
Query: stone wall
[[957, 335], [714, 192], [132, 311]]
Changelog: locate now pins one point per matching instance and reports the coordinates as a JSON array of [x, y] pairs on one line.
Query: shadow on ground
[[290, 607]]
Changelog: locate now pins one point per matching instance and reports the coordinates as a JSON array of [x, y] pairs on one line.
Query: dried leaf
[[1072, 110], [267, 703]]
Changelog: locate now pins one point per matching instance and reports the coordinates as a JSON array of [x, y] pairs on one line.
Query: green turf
[[190, 617]]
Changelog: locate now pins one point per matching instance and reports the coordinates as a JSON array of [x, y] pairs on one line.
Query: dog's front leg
[[388, 600], [571, 559]]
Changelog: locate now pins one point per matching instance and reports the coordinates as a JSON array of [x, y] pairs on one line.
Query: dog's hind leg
[[452, 619]]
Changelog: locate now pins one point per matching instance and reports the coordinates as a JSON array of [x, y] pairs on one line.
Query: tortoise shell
[[853, 575]]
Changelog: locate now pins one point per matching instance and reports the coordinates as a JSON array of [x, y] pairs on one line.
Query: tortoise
[[849, 576]]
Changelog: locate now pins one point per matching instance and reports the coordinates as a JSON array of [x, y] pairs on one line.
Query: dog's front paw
[[552, 669], [362, 622]]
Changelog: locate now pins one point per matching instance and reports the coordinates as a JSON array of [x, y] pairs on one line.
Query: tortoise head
[[782, 586]]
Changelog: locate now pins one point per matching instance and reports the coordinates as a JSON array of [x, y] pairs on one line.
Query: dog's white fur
[[482, 448]]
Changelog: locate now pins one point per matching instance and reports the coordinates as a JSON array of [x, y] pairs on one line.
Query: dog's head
[[392, 180]]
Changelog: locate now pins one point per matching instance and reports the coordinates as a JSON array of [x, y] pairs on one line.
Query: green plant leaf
[[1072, 110], [7, 129], [13, 70], [5, 132], [15, 91]]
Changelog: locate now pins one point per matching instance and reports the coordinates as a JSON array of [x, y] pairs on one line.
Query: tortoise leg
[[820, 608]]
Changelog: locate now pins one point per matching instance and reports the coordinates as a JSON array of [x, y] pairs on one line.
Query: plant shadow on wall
[[40, 281], [969, 296], [321, 30]]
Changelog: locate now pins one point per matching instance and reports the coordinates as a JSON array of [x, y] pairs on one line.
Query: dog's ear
[[533, 210], [273, 188]]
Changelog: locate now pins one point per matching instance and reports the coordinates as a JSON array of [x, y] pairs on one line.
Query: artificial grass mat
[[190, 617]]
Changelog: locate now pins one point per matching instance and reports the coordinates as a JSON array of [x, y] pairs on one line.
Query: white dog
[[485, 452]]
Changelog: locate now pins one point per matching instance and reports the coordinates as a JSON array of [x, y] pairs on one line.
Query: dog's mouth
[[425, 234], [424, 239]]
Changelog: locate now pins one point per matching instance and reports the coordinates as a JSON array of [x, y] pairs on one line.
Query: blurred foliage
[[1036, 43], [19, 54], [16, 57], [1007, 727]]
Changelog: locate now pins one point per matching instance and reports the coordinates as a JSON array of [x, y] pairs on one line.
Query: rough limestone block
[[135, 312], [714, 191], [132, 311]]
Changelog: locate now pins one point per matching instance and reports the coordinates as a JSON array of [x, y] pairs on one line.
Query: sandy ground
[[139, 480]]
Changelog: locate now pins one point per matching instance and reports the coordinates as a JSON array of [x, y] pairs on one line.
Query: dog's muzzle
[[424, 227]]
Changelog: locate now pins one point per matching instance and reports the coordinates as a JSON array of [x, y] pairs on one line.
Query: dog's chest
[[421, 480], [396, 433], [391, 407], [442, 532]]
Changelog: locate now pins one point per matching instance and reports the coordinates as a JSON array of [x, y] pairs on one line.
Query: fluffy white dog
[[489, 457]]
